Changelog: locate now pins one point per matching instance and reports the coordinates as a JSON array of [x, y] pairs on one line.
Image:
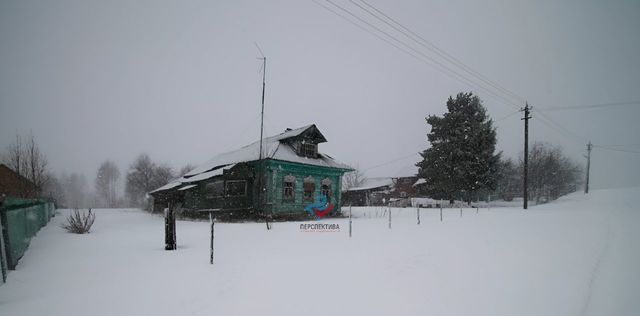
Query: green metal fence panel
[[42, 215], [32, 223], [18, 235], [49, 211], [21, 220]]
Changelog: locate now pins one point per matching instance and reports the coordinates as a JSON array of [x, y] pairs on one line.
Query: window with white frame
[[309, 186], [326, 188], [289, 188]]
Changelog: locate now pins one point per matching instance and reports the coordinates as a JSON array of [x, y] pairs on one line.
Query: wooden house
[[14, 185], [288, 176]]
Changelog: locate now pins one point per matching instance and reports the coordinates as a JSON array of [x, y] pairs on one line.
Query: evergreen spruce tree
[[462, 159]]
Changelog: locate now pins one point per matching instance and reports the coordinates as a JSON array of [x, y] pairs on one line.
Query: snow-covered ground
[[577, 256]]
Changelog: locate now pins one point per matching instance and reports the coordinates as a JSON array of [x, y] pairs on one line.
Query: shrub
[[79, 223]]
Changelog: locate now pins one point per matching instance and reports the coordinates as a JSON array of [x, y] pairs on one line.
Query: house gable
[[304, 141]]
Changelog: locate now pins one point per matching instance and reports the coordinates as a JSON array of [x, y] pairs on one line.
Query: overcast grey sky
[[96, 80]]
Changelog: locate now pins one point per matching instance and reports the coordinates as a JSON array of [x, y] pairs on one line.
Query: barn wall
[[196, 198]]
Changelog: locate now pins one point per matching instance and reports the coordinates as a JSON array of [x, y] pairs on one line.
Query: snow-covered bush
[[79, 223]]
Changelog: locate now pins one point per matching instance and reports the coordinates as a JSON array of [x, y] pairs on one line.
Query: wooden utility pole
[[526, 118], [589, 147]]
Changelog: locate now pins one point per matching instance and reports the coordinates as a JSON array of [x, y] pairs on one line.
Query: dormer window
[[309, 150]]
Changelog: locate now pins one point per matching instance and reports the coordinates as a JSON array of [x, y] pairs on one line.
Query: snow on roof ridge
[[271, 150], [195, 178], [294, 132], [187, 176]]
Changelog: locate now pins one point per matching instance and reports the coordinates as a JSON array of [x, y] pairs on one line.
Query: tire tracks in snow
[[596, 267]]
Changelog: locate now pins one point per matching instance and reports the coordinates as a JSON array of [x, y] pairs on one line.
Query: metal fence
[[20, 220]]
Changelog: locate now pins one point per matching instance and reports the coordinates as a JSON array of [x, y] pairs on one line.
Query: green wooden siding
[[277, 170], [273, 173]]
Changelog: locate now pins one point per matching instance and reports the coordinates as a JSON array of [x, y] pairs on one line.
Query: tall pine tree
[[462, 159]]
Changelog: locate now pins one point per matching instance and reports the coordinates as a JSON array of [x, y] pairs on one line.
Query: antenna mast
[[264, 72], [261, 187]]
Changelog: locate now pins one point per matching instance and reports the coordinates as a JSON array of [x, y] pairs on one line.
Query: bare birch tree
[[352, 179], [144, 176], [26, 159], [106, 183]]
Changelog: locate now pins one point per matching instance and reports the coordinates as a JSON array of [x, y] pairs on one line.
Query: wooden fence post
[[349, 221], [266, 220], [418, 212], [169, 228], [211, 246], [3, 254]]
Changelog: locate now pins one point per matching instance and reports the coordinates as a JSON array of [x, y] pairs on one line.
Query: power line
[[507, 116], [432, 47], [591, 106], [544, 118], [368, 31], [479, 81], [390, 162], [443, 68], [621, 145], [549, 122], [430, 60], [619, 150]]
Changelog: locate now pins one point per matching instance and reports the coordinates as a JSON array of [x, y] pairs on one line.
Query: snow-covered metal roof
[[187, 187], [199, 177], [272, 148], [420, 181], [167, 186], [373, 183], [207, 175]]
